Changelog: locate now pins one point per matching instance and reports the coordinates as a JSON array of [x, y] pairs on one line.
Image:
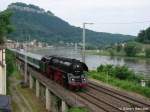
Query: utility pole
[[25, 74], [83, 39], [26, 63], [83, 45]]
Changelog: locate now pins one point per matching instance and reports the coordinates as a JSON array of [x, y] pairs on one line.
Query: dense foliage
[[48, 27], [148, 84], [144, 36], [118, 48], [147, 52], [120, 72], [111, 52], [5, 26], [10, 62], [132, 48]]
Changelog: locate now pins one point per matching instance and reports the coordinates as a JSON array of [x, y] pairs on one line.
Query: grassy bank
[[127, 83]]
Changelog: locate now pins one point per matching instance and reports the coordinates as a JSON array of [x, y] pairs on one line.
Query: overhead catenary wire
[[132, 22]]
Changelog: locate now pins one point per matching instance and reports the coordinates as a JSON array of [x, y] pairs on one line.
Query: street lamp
[[83, 45]]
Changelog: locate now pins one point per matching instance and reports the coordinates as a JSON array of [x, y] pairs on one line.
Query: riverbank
[[115, 54]]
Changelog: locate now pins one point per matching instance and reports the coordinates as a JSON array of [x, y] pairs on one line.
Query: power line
[[133, 22]]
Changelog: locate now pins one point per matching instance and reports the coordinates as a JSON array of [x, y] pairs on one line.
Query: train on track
[[70, 73]]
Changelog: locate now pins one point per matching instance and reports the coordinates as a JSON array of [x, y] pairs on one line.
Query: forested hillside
[[30, 20]]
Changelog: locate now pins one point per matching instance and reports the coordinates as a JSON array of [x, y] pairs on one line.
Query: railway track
[[116, 99], [112, 100], [100, 104], [120, 95]]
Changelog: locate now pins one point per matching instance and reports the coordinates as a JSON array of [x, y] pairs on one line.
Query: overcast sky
[[115, 16]]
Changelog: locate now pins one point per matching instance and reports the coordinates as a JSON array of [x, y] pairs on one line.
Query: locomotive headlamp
[[84, 79], [72, 79]]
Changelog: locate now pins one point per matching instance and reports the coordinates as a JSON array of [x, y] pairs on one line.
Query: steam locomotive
[[70, 73]]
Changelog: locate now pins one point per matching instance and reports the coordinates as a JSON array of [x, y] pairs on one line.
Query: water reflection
[[138, 65]]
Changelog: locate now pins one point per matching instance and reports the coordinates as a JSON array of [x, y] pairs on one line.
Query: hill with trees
[[30, 20]]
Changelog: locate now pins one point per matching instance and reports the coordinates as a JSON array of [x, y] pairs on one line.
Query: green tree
[[147, 52], [118, 48], [144, 36], [111, 52], [5, 26], [131, 49], [141, 35], [148, 83]]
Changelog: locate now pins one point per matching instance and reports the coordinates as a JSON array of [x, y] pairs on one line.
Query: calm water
[[93, 61]]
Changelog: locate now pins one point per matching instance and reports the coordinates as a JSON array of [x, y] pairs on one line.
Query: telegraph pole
[[83, 45], [26, 64], [25, 74], [83, 39]]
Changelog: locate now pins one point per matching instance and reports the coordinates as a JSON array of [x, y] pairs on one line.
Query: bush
[[148, 83], [123, 73], [131, 49], [147, 52], [106, 69], [120, 72], [118, 48], [111, 52]]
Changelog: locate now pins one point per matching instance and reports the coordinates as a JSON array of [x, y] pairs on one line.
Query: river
[[93, 61]]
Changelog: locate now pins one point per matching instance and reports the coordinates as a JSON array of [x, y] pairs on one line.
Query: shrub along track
[[111, 100]]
